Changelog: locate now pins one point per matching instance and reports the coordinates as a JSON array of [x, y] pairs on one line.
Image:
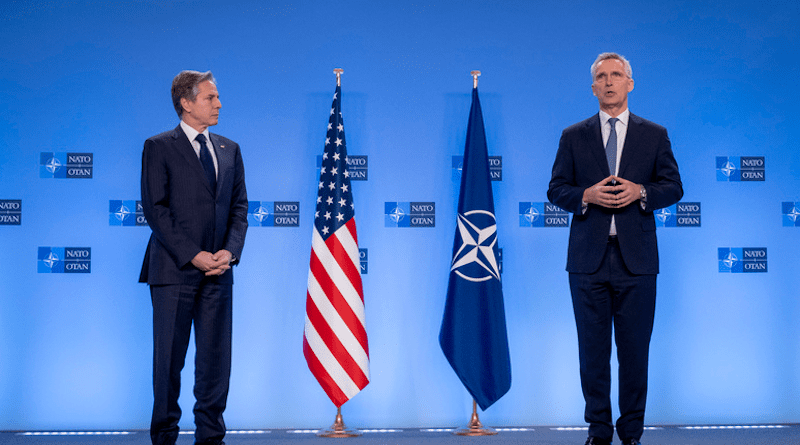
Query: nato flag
[[473, 335]]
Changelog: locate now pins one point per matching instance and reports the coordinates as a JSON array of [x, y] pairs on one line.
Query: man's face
[[203, 111], [611, 85]]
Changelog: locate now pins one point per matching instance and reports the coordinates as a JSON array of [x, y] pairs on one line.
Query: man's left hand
[[626, 191], [222, 262]]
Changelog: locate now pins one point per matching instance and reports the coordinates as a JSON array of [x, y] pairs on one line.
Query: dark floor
[[541, 435]]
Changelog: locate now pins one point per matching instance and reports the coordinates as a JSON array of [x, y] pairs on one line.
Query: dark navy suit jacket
[[647, 159], [185, 215]]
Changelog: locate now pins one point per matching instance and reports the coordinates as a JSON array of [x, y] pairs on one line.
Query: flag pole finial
[[338, 72], [475, 74]]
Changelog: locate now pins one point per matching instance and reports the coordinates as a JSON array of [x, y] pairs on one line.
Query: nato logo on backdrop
[[357, 167], [66, 165], [542, 214], [495, 168], [65, 260], [682, 214], [740, 168], [125, 213], [273, 213], [742, 259], [410, 214], [791, 214], [10, 212], [363, 257]]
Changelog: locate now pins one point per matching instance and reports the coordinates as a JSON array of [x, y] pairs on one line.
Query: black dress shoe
[[631, 442], [597, 441]]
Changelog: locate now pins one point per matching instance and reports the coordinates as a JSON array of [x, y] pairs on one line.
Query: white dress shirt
[[191, 133]]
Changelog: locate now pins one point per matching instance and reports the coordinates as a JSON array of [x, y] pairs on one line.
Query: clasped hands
[[213, 264], [612, 196]]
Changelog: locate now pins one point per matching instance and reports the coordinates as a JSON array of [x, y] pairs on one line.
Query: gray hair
[[184, 86], [606, 56]]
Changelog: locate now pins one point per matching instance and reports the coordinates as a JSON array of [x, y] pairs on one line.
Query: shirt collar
[[623, 117], [191, 133]]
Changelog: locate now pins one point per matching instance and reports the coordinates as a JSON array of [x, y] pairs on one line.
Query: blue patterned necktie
[[611, 146], [207, 161]]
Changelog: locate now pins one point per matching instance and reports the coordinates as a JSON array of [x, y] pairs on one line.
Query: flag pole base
[[338, 429], [475, 428]]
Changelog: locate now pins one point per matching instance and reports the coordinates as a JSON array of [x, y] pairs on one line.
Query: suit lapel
[[594, 139], [184, 147], [631, 141], [224, 159]]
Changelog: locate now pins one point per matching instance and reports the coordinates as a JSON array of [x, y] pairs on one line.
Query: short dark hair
[[184, 85]]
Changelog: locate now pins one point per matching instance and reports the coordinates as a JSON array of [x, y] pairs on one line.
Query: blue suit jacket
[[647, 159], [186, 217]]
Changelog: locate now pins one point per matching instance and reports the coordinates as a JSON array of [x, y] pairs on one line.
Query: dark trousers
[[613, 296], [175, 308]]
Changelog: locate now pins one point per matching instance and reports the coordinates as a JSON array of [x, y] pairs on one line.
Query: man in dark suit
[[195, 201], [612, 171]]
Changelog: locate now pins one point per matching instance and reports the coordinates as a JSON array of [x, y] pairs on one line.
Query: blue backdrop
[[94, 77]]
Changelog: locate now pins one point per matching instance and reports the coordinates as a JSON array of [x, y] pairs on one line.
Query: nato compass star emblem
[[728, 169], [531, 215], [122, 212], [475, 259], [663, 215], [793, 214], [730, 260], [261, 214], [53, 165], [397, 215], [50, 260]]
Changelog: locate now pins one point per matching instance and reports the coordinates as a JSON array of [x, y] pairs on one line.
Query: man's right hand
[[601, 194], [205, 262]]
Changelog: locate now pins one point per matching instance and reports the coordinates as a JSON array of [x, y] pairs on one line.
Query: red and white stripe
[[335, 337]]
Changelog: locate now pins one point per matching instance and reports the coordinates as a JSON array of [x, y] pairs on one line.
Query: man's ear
[[184, 103]]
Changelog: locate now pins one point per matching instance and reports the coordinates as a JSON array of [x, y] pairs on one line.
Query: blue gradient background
[[77, 76]]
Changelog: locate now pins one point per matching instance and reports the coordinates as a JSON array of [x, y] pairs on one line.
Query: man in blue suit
[[195, 201], [612, 171]]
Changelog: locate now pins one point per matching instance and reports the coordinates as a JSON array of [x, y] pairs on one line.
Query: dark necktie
[[611, 147], [207, 161]]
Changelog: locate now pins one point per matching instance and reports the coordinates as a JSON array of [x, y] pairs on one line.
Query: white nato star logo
[[50, 260], [261, 214], [531, 215], [793, 214], [53, 165], [663, 215], [477, 246], [397, 215], [122, 213], [728, 169], [730, 260]]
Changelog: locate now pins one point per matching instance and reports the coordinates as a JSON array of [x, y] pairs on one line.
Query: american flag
[[335, 338]]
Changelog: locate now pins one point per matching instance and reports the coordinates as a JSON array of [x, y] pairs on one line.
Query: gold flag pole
[[475, 74], [338, 429], [475, 427], [338, 72]]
